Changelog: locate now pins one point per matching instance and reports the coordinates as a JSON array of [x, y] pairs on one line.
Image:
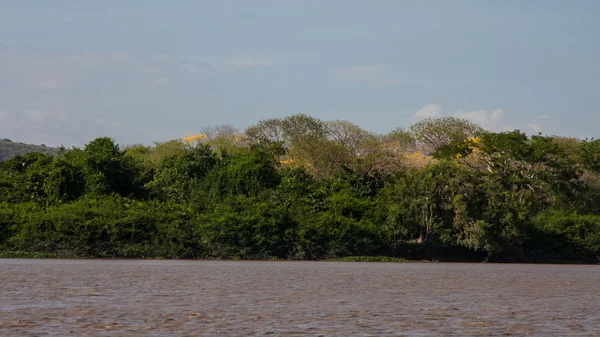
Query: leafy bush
[[567, 236]]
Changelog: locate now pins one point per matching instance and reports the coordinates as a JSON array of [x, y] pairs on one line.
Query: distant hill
[[10, 149]]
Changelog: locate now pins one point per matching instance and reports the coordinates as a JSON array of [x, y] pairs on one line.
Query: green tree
[[433, 133], [246, 173], [420, 203], [247, 227], [590, 152], [520, 176], [108, 170], [179, 173], [23, 178], [65, 182]]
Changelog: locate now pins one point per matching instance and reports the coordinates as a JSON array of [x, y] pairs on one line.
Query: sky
[[151, 70]]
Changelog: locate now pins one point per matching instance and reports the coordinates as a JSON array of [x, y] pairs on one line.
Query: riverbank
[[41, 255]]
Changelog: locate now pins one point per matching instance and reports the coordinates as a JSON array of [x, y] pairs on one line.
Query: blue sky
[[141, 71]]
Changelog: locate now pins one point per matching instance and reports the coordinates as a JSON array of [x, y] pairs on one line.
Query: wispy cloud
[[430, 110], [36, 116], [44, 70], [193, 68], [54, 71], [388, 75], [493, 120], [536, 124], [58, 98], [71, 97], [253, 61], [359, 73], [37, 125], [490, 120], [205, 66]]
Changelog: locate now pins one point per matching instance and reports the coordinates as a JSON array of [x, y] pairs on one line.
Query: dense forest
[[302, 188], [10, 149]]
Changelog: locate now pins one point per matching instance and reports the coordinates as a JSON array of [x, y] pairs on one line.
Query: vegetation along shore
[[301, 188]]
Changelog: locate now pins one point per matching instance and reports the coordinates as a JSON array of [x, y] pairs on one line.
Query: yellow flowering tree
[[194, 139]]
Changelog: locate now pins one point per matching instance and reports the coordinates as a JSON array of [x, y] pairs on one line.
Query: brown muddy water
[[225, 298]]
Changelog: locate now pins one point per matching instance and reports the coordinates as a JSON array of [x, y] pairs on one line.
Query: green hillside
[[10, 149]]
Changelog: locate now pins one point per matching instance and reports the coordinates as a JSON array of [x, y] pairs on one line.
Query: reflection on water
[[181, 298]]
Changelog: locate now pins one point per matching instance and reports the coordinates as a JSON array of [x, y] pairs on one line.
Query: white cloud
[[259, 61], [430, 110], [56, 71], [359, 73], [541, 117], [536, 127], [497, 115], [239, 62], [489, 120], [46, 116], [72, 97], [192, 68], [39, 126], [36, 116], [536, 124], [50, 71]]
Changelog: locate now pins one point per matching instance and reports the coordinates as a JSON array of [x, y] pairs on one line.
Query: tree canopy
[[302, 188]]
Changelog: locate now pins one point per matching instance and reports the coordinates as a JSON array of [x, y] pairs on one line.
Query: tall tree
[[433, 133], [108, 170]]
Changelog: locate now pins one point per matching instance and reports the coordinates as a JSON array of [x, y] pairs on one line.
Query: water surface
[[206, 298]]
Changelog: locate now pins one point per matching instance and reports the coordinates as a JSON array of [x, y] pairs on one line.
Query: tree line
[[302, 188]]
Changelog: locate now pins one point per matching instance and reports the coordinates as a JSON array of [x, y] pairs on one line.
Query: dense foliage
[[302, 188]]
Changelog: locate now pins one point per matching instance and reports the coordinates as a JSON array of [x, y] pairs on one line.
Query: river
[[241, 298]]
